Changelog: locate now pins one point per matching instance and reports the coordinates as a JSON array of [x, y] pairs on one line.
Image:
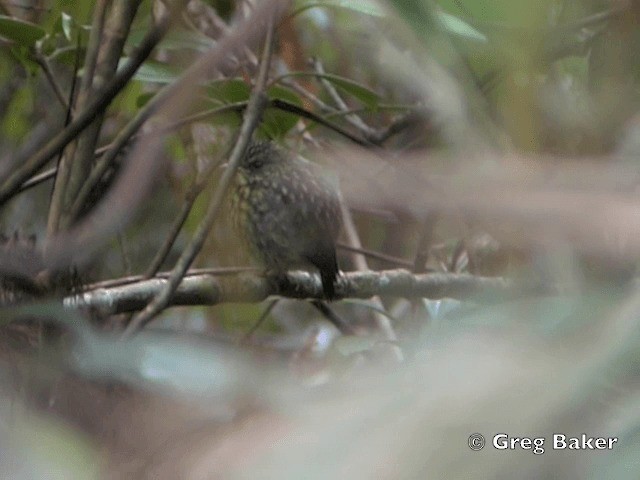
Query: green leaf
[[143, 98], [67, 25], [176, 40], [155, 72], [25, 57], [419, 14], [366, 7], [16, 123], [66, 55], [276, 123], [229, 91], [19, 31], [126, 102], [458, 27], [187, 39], [362, 93]]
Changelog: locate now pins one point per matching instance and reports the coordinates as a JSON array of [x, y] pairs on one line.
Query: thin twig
[[239, 107], [111, 48], [192, 195], [424, 243], [127, 134], [397, 125], [101, 100], [123, 137], [120, 203], [382, 322], [124, 252], [292, 108], [49, 174], [48, 73], [174, 231], [93, 46], [395, 261], [257, 103], [192, 272], [333, 317], [247, 336], [59, 195], [291, 83], [38, 179], [62, 170], [370, 135], [196, 117], [353, 119]]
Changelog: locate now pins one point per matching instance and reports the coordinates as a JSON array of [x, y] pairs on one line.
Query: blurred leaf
[[240, 318], [198, 211], [456, 26], [277, 123], [166, 362], [127, 101], [505, 13], [175, 40], [155, 72], [24, 56], [66, 55], [187, 39], [16, 123], [43, 447], [143, 98], [426, 20], [229, 91], [176, 148], [150, 359], [67, 25], [369, 305], [348, 345], [357, 90], [419, 14], [437, 309], [360, 6], [22, 32], [64, 34], [80, 12]]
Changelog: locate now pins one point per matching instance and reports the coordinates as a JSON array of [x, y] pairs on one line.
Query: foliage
[[488, 147]]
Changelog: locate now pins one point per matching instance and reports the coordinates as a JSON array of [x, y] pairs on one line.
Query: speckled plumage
[[288, 212]]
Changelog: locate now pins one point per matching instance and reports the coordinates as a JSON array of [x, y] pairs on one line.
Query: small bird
[[288, 212]]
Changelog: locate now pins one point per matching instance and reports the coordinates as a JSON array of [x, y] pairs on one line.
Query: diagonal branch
[[11, 184], [120, 203], [256, 106]]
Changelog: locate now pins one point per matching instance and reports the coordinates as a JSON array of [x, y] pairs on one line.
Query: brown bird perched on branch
[[288, 212]]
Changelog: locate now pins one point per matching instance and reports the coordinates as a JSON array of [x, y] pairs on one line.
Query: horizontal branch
[[251, 287]]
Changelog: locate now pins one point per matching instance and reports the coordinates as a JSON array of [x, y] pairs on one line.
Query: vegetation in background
[[487, 157]]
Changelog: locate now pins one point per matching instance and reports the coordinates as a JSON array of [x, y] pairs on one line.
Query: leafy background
[[515, 158]]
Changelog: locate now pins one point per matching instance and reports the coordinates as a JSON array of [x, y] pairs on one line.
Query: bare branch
[[251, 287], [74, 166]]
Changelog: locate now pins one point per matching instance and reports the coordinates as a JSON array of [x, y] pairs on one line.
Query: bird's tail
[[328, 277], [324, 259]]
